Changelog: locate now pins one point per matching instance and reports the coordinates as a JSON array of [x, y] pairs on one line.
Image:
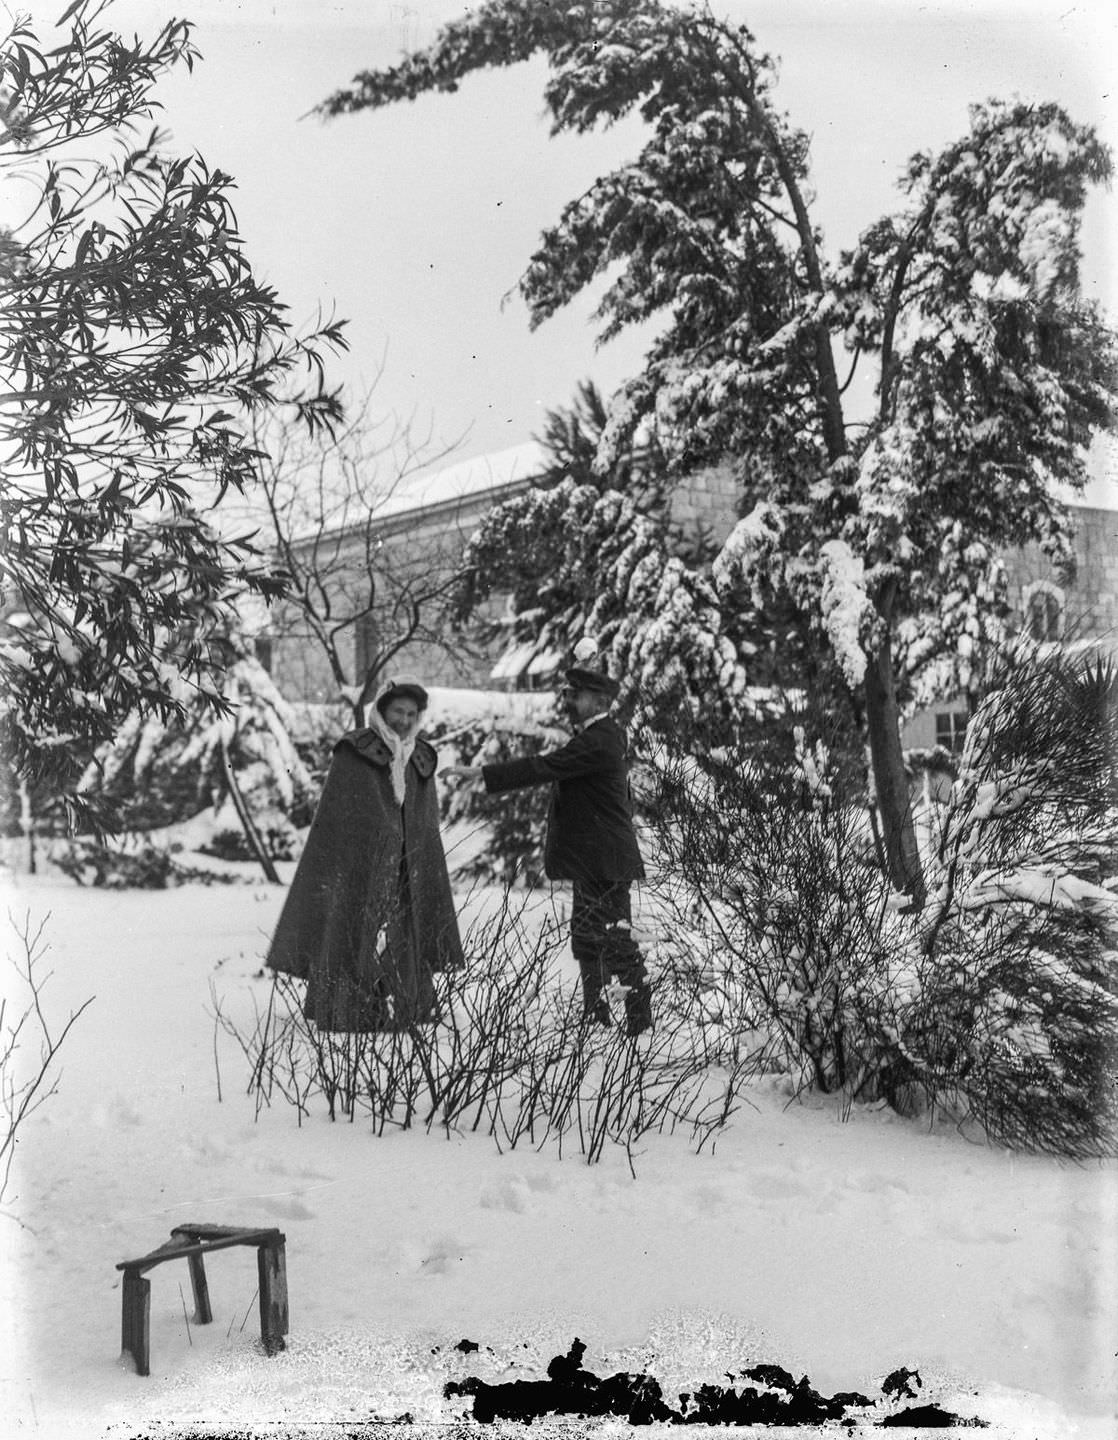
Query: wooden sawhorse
[[191, 1243]]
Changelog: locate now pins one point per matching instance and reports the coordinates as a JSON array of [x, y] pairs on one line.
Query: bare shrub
[[29, 1043], [508, 1053], [788, 935]]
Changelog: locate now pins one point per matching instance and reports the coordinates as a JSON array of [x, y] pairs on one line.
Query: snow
[[845, 606], [838, 1242], [449, 708], [465, 478], [1041, 886]]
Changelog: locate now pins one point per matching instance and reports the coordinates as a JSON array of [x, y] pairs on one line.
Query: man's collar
[[601, 715]]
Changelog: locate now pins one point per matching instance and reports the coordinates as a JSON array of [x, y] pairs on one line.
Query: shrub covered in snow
[[159, 771], [1019, 945], [999, 1002], [509, 828], [780, 915], [494, 839]]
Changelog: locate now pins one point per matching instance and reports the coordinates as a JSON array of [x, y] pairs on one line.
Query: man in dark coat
[[370, 915], [590, 840]]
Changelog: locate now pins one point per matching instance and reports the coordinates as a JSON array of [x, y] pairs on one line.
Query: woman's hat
[[401, 686]]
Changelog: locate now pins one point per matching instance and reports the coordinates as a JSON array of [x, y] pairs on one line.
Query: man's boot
[[638, 1010], [597, 1011]]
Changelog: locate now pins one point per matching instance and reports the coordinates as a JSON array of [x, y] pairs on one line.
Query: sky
[[415, 222]]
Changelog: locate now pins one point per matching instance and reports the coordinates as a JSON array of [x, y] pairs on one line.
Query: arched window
[[1044, 611]]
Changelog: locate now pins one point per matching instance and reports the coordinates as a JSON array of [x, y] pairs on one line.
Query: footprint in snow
[[286, 1207], [443, 1256]]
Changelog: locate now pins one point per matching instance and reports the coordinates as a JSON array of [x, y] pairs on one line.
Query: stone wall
[[431, 538], [1089, 598], [706, 506], [1080, 607], [421, 547]]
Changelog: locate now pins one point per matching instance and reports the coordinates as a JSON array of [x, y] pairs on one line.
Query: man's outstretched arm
[[582, 755]]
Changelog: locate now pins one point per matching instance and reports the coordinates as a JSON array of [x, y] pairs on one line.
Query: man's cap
[[597, 682], [583, 675]]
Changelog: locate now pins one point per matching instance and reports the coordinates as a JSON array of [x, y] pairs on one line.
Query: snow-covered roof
[[1101, 490], [466, 478]]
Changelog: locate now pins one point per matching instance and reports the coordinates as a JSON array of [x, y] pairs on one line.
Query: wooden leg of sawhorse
[[202, 1312], [135, 1321], [271, 1264], [198, 1284]]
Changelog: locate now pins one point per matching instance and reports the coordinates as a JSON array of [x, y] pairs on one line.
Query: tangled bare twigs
[[778, 947], [29, 1043], [782, 922], [509, 1054]]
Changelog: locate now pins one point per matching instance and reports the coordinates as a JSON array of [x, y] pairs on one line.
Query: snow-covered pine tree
[[579, 560], [571, 569], [992, 372]]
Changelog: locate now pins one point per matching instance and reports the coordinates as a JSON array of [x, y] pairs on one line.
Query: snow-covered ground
[[840, 1247]]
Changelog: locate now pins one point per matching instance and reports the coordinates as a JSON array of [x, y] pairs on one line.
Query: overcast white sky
[[415, 222]]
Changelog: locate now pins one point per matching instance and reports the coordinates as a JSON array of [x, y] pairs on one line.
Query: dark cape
[[370, 914]]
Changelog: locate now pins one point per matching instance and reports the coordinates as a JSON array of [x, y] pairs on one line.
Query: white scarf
[[401, 750]]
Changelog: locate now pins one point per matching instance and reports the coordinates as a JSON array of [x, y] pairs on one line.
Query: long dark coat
[[370, 914], [590, 821]]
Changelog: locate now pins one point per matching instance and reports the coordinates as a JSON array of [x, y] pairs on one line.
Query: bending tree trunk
[[894, 801], [248, 825]]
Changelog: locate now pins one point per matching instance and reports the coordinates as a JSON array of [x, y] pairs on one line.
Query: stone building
[[409, 546], [417, 537], [1076, 609], [423, 529]]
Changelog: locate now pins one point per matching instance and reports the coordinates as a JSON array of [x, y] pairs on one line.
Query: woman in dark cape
[[370, 915]]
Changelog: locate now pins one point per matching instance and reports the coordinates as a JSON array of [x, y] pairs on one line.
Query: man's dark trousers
[[603, 944], [591, 841]]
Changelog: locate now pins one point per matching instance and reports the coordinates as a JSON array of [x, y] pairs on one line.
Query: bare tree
[[361, 587], [27, 1080]]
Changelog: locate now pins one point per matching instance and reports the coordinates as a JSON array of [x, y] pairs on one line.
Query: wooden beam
[[135, 1321], [272, 1269]]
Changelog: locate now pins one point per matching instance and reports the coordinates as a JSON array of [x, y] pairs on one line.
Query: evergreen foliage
[[159, 771], [1020, 992], [135, 336], [991, 372]]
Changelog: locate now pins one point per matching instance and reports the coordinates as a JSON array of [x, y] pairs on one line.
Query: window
[[364, 645], [951, 729], [1044, 612]]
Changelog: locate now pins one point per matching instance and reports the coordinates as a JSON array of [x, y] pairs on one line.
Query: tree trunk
[[894, 801], [27, 824], [252, 834]]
